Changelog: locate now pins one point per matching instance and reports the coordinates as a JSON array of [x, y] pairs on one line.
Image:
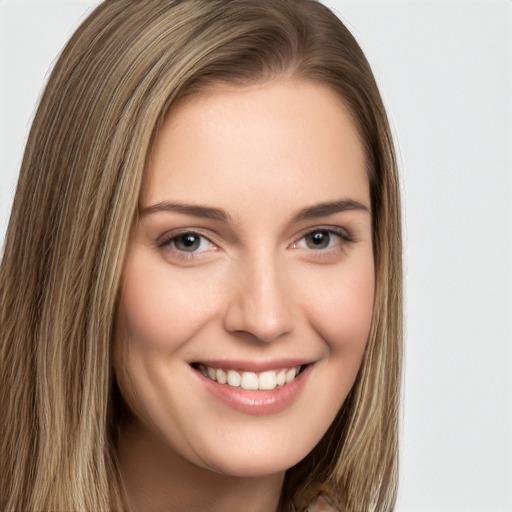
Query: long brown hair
[[74, 207]]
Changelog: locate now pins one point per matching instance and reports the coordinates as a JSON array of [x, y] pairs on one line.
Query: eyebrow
[[204, 212], [208, 212], [329, 208]]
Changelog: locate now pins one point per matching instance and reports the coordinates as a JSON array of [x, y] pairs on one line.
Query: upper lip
[[253, 365]]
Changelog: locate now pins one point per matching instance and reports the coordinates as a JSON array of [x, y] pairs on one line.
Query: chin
[[244, 465]]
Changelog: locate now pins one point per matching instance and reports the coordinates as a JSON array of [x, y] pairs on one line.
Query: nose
[[260, 305]]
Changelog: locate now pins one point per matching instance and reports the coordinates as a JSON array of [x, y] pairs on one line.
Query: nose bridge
[[261, 305]]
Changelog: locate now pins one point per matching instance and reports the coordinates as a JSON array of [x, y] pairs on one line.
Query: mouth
[[251, 381], [254, 388]]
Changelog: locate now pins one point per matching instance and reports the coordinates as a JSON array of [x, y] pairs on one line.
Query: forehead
[[278, 141]]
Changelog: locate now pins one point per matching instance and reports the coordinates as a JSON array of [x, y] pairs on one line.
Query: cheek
[[341, 314], [341, 310], [160, 309], [153, 322]]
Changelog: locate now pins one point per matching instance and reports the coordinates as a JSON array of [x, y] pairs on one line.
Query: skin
[[256, 288]]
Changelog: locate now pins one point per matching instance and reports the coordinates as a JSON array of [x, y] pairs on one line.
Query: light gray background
[[445, 71]]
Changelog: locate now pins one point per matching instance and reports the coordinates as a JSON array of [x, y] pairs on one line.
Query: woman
[[201, 284]]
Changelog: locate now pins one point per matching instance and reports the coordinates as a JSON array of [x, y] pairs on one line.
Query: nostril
[[260, 305]]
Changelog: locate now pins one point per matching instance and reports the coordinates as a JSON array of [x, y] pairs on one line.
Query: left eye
[[189, 242], [319, 239]]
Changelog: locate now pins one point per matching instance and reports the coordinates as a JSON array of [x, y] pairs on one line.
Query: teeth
[[234, 378], [249, 380], [221, 376], [267, 380], [290, 375], [281, 378]]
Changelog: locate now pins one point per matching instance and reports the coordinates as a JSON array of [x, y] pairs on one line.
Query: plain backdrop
[[445, 71]]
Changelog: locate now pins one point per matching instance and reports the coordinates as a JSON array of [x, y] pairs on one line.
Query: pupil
[[188, 242], [318, 240]]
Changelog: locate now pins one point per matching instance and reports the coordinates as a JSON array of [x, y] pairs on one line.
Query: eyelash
[[343, 234], [170, 240]]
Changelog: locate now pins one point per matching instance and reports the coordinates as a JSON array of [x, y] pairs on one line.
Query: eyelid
[[174, 233], [343, 233], [166, 238], [164, 241]]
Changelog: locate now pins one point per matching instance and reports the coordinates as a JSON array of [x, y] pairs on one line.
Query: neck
[[156, 478]]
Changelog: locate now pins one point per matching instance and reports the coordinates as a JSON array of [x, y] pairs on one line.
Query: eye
[[322, 239], [186, 242], [318, 239]]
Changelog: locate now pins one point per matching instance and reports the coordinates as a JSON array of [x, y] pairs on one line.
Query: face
[[248, 285]]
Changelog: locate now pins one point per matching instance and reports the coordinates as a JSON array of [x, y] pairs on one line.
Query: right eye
[[320, 239], [186, 244], [189, 242]]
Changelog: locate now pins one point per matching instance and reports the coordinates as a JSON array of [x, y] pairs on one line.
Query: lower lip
[[258, 402]]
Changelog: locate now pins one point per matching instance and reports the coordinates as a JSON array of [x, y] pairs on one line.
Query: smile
[[251, 381], [258, 389]]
